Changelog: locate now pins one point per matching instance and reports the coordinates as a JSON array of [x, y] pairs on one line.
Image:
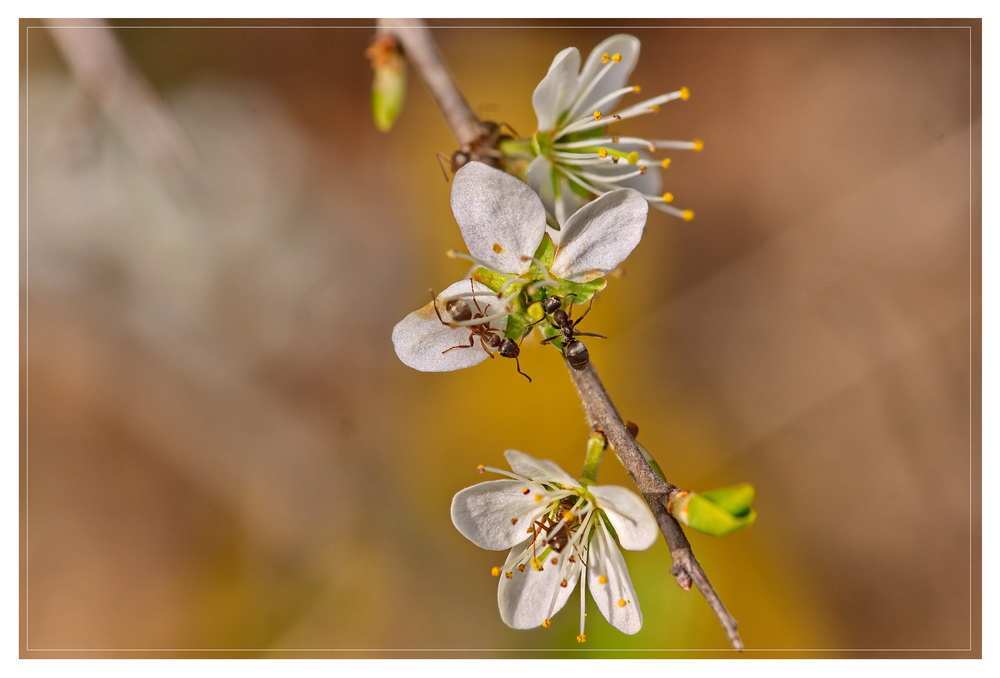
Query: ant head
[[509, 349], [552, 304], [459, 159]]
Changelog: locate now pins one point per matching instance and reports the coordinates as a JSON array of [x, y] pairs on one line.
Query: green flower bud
[[717, 512], [389, 84]]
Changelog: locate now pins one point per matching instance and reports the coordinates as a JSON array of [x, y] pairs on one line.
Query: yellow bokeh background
[[222, 452]]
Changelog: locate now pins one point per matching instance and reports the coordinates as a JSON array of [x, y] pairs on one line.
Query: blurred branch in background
[[106, 79]]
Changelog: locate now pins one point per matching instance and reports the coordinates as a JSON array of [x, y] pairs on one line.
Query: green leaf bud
[[717, 512]]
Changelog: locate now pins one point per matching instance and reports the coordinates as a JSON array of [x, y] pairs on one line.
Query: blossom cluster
[[536, 243]]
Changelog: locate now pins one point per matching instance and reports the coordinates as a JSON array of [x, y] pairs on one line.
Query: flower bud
[[717, 512], [389, 84]]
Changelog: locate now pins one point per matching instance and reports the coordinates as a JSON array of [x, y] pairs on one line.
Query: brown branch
[[421, 51], [602, 415]]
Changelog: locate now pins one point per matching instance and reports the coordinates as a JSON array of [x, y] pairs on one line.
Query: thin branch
[[107, 77], [603, 415], [421, 51]]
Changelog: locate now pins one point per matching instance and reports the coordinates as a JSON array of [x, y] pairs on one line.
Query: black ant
[[573, 350], [483, 148], [489, 337]]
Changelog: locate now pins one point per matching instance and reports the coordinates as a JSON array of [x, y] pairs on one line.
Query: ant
[[481, 149], [489, 337], [559, 539], [573, 350]]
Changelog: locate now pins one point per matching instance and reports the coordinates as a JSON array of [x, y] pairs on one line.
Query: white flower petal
[[541, 177], [421, 339], [501, 218], [538, 469], [557, 89], [606, 560], [483, 513], [600, 235], [629, 514], [617, 75], [529, 598]]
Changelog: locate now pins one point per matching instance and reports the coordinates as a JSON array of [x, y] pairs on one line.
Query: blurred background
[[223, 452]]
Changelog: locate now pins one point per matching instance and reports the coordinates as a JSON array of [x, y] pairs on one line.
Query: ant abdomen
[[577, 355]]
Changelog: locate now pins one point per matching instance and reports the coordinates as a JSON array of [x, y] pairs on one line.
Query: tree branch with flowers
[[544, 221]]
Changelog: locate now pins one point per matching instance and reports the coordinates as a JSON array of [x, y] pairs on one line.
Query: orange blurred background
[[222, 452]]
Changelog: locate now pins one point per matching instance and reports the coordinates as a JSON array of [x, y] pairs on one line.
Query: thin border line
[[25, 108]]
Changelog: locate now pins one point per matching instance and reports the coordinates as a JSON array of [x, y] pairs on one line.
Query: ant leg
[[473, 287], [589, 334], [482, 342], [435, 302], [518, 363], [441, 158], [472, 342], [584, 313]]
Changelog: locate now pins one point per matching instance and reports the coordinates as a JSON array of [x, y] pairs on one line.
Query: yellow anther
[[536, 564], [513, 521], [481, 468], [597, 115], [621, 603], [496, 571], [666, 163], [538, 498], [685, 93], [605, 58], [564, 583], [655, 108], [547, 623], [451, 254], [509, 574], [636, 88], [616, 58], [520, 568], [668, 197], [602, 152], [581, 638], [688, 215], [554, 561], [567, 515], [633, 157], [603, 579], [526, 491], [614, 140], [698, 145]]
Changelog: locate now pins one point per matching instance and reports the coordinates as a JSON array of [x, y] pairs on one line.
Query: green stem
[[596, 445]]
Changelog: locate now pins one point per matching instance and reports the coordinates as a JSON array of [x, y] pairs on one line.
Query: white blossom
[[503, 222], [561, 533], [575, 156]]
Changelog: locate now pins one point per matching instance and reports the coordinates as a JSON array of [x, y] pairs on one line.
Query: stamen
[[540, 265], [574, 110], [481, 468], [621, 602], [597, 115], [603, 579], [496, 571], [618, 93], [547, 623], [509, 574], [520, 568], [697, 145], [685, 93], [581, 638]]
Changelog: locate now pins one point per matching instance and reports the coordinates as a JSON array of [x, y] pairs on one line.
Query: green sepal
[[545, 253], [583, 291], [716, 512], [491, 279]]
